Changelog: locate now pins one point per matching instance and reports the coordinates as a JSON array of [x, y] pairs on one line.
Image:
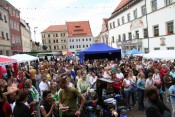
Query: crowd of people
[[65, 88]]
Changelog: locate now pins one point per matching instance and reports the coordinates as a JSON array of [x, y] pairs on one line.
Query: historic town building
[[79, 35], [146, 25], [26, 36], [5, 43], [103, 37], [55, 38], [15, 32]]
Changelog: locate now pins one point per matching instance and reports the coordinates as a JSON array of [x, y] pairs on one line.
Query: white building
[[5, 44], [79, 36], [131, 27], [26, 36]]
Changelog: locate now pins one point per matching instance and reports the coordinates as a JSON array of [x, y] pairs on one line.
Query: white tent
[[161, 54], [24, 58]]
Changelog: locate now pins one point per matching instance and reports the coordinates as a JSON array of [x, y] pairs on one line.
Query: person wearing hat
[[172, 96]]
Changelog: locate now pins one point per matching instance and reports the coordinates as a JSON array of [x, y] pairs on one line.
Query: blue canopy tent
[[132, 52], [99, 51]]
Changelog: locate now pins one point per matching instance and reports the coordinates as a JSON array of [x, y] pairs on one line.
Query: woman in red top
[[5, 108]]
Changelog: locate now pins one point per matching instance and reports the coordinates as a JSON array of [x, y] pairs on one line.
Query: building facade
[[5, 44], [103, 37], [79, 36], [15, 36], [55, 38], [146, 25], [26, 36]]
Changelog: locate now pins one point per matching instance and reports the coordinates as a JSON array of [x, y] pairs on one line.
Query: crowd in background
[[35, 90]]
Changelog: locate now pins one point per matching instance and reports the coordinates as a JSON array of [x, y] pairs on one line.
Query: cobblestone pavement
[[136, 113]]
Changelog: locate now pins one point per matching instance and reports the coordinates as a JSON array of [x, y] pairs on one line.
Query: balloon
[[4, 70]]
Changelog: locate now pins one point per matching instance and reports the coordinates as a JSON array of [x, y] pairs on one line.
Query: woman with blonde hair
[[141, 90]]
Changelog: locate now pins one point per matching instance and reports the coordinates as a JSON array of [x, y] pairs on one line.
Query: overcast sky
[[42, 13]]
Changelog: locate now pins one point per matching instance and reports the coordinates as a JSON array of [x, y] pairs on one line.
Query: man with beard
[[154, 107]]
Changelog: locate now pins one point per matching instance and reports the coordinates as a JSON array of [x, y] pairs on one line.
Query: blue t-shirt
[[172, 91], [172, 74]]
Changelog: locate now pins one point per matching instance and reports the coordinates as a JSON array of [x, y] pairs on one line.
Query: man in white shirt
[[43, 86]]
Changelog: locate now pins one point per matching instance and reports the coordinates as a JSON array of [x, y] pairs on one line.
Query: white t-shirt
[[149, 82], [43, 87], [120, 75]]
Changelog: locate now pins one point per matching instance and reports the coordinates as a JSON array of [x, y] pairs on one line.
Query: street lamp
[[35, 33], [147, 24]]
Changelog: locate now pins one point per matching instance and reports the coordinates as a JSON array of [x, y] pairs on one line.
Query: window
[[48, 35], [53, 35], [49, 41], [119, 38], [0, 52], [112, 39], [53, 41], [123, 20], [110, 25], [7, 52], [118, 21], [77, 46], [7, 37], [89, 39], [167, 2], [50, 47], [157, 48], [86, 45], [1, 16], [135, 14], [143, 10], [170, 48], [129, 17], [113, 24], [146, 50], [2, 33], [170, 26], [145, 33], [57, 41], [86, 39], [5, 19], [137, 35], [55, 47], [124, 37], [129, 36], [56, 35], [156, 31], [83, 39], [154, 5], [73, 46], [72, 40], [83, 46]]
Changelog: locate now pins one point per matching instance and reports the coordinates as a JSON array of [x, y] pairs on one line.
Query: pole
[[147, 24]]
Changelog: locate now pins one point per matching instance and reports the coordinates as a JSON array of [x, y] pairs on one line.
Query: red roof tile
[[121, 4], [78, 28], [56, 28]]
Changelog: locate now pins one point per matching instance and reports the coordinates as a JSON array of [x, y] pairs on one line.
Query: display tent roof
[[6, 61], [24, 58], [161, 54], [99, 48], [132, 52]]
